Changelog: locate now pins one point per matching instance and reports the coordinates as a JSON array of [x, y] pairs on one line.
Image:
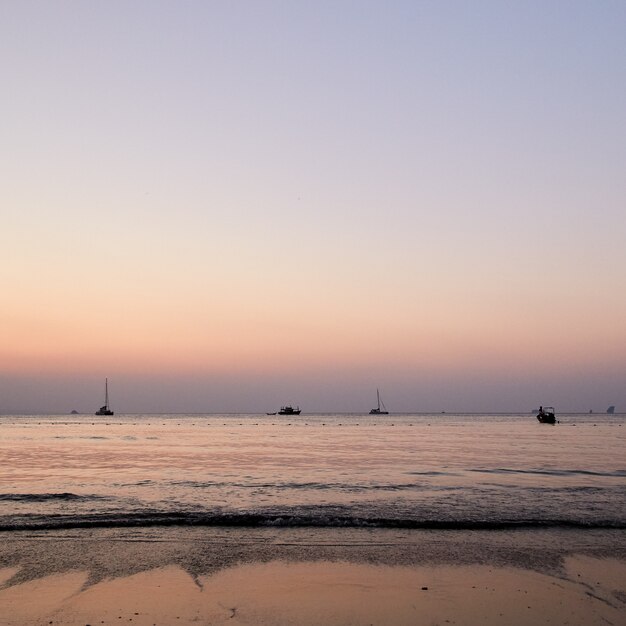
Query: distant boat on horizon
[[105, 410], [378, 410], [546, 415], [289, 410]]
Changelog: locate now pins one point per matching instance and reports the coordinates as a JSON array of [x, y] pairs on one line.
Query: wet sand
[[594, 592], [196, 576]]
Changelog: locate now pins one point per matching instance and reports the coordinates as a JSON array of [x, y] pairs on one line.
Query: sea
[[398, 471]]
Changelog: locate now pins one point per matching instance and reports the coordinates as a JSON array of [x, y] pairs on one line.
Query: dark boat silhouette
[[378, 410], [289, 410], [105, 410], [546, 415]]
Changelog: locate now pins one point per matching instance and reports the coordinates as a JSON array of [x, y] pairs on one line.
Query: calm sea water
[[396, 471]]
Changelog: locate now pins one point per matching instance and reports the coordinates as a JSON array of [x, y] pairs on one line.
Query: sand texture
[[593, 591]]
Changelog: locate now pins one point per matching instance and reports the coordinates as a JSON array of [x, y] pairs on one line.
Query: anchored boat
[[105, 410], [546, 415], [378, 410], [289, 410]]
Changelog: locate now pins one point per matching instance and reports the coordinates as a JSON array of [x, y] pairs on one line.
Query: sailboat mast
[[106, 393], [378, 398]]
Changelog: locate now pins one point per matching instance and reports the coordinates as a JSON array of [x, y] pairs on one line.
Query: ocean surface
[[354, 471]]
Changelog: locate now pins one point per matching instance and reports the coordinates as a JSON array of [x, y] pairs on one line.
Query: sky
[[230, 206]]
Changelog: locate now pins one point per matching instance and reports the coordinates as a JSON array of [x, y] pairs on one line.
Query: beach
[[327, 519], [200, 576], [311, 313]]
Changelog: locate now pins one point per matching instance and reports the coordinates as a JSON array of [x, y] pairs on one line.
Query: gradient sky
[[228, 206]]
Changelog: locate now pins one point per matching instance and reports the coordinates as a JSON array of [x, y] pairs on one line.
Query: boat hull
[[546, 419]]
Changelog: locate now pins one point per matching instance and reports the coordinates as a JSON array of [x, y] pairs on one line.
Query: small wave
[[621, 473], [44, 497], [552, 490], [315, 486], [141, 483], [432, 473], [286, 520]]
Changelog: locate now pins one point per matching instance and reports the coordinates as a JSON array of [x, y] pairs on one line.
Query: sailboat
[[105, 410], [378, 410]]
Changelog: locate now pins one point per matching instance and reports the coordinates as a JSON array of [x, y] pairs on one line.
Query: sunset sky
[[229, 206]]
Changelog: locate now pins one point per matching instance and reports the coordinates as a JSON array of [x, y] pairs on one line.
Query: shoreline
[[183, 575]]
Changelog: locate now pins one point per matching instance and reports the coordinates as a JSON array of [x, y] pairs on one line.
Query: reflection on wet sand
[[592, 591]]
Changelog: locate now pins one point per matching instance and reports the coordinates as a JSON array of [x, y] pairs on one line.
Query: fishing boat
[[546, 415], [289, 410], [378, 410], [105, 410]]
